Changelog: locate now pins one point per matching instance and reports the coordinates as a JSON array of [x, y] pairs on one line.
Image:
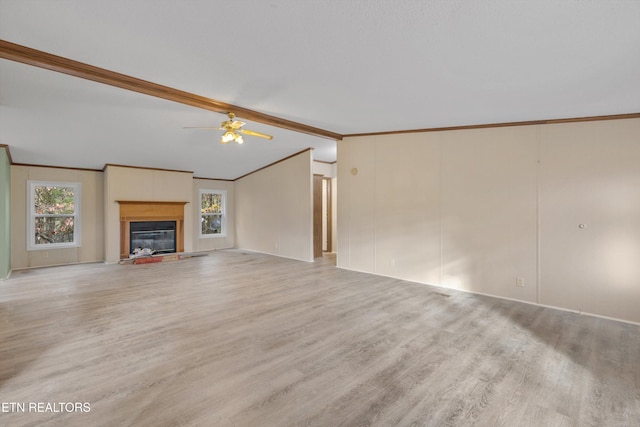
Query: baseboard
[[568, 310], [582, 313], [272, 254], [59, 265]]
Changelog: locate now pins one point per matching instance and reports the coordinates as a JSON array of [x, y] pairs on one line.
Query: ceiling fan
[[233, 130]]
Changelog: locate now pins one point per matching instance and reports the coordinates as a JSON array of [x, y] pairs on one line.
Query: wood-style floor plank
[[243, 339]]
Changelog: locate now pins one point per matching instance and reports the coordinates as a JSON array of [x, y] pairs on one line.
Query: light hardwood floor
[[236, 339]]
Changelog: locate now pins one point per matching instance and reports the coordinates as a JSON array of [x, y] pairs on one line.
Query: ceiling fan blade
[[236, 125], [254, 133]]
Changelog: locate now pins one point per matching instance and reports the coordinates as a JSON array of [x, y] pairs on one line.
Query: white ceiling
[[347, 66]]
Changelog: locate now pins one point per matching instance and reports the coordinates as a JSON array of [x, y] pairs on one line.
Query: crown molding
[[104, 168], [214, 179], [32, 165], [506, 124], [107, 165], [6, 149]]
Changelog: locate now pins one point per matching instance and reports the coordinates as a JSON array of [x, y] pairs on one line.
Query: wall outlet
[[520, 282]]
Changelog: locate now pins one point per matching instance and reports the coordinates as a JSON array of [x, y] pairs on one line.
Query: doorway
[[322, 215], [327, 221]]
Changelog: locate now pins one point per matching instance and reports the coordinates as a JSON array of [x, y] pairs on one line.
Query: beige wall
[[488, 210], [325, 169], [138, 184], [590, 174], [91, 248], [211, 243], [477, 209], [273, 209]]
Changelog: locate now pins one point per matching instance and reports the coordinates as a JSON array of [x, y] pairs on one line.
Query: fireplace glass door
[[159, 236]]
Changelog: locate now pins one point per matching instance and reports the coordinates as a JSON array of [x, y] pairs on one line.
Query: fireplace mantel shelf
[[150, 202]]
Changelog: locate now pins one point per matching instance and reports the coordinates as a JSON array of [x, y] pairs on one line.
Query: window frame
[[31, 215], [223, 214]]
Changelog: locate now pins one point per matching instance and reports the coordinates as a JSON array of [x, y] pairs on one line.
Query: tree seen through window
[[54, 214], [211, 213]]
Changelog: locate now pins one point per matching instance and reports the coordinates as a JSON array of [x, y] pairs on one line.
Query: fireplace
[[159, 236], [143, 224]]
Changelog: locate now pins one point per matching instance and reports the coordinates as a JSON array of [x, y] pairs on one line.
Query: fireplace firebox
[[159, 236]]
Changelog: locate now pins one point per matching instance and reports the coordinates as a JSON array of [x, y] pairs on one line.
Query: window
[[212, 213], [54, 215]]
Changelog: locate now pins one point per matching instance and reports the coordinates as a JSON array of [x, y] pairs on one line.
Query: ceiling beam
[[37, 58]]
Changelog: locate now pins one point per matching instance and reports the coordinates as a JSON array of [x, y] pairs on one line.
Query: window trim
[[31, 215], [223, 226]]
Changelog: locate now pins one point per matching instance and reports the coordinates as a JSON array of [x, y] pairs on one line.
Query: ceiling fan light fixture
[[228, 136], [232, 130]]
